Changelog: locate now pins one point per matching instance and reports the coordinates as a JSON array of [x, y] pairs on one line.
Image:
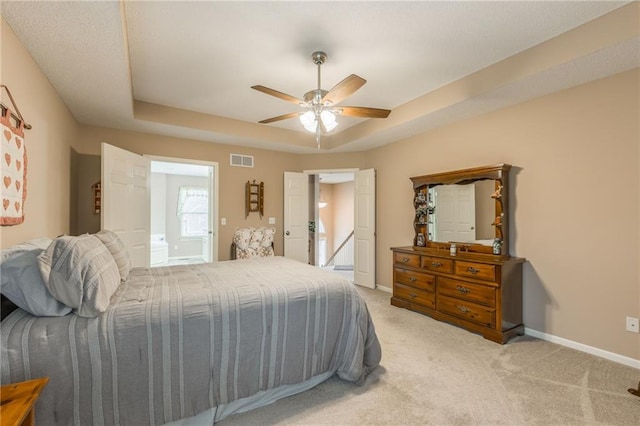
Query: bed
[[180, 341]]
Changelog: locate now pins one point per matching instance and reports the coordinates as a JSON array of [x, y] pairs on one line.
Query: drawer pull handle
[[405, 259], [412, 278], [463, 290], [463, 309], [413, 295], [436, 264], [473, 270]]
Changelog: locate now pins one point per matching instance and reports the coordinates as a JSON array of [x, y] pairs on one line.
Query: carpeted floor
[[433, 373]]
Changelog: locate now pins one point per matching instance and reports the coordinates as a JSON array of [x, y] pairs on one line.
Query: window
[[193, 211]]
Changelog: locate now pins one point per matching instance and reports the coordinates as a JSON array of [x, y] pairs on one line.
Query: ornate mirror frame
[[498, 173]]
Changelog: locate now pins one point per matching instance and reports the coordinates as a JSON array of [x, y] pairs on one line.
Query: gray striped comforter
[[176, 341]]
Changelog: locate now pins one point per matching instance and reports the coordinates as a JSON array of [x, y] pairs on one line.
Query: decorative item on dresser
[[477, 285]]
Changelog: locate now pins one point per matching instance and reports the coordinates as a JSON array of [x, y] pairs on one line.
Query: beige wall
[[86, 172], [48, 144], [575, 202], [326, 215], [343, 198]]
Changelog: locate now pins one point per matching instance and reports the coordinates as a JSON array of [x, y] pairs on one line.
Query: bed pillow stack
[[52, 278], [81, 273]]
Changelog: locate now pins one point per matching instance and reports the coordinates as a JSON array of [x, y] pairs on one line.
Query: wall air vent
[[241, 160]]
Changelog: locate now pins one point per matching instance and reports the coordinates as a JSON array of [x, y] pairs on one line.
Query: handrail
[[338, 249]]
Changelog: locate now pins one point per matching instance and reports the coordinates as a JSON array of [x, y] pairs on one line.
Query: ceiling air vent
[[241, 160]]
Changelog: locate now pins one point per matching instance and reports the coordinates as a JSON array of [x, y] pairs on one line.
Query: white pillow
[[81, 273], [22, 283], [118, 250]]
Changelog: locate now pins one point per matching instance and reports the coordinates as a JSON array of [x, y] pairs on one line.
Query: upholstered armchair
[[252, 242]]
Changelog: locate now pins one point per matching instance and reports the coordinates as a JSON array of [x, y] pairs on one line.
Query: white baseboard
[[611, 356], [631, 362]]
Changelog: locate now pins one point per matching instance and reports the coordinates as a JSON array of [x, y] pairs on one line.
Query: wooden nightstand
[[17, 401]]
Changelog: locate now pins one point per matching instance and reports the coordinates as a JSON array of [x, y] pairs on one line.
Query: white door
[[364, 268], [126, 183], [455, 213], [296, 216]]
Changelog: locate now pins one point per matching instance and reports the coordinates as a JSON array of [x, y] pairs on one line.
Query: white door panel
[[455, 213], [365, 228], [296, 216], [126, 182]]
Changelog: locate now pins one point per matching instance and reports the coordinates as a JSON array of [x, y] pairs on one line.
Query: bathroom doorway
[[183, 212]]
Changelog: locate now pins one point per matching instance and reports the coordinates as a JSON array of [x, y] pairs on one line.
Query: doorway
[[182, 213], [333, 211], [299, 222]]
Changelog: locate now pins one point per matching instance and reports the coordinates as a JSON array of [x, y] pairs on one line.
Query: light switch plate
[[223, 221], [272, 221]]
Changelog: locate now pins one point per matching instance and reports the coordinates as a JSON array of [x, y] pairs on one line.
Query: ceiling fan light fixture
[[309, 121], [329, 120]]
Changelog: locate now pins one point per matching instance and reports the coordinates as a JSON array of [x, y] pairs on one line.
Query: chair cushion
[[254, 242]]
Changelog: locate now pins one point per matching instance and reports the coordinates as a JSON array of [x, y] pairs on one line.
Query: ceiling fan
[[320, 116]]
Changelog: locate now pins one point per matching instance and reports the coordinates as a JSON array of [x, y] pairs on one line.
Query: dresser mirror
[[467, 207]]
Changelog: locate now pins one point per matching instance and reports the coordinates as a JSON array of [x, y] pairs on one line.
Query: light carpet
[[433, 373]]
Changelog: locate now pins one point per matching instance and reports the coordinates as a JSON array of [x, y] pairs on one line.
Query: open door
[[126, 183], [364, 270], [296, 216]]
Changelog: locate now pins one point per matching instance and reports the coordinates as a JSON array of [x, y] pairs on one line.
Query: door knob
[[287, 233]]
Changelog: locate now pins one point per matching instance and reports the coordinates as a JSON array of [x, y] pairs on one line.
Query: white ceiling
[[109, 59]]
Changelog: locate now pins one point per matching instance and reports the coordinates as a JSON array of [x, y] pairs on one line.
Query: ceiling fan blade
[[361, 112], [278, 118], [280, 95], [343, 89]]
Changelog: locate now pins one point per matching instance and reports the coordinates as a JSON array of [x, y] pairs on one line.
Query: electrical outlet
[[632, 325]]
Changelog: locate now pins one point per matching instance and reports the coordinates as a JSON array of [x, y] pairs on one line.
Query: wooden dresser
[[480, 293]]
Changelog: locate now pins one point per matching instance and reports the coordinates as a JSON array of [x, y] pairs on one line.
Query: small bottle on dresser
[[453, 249]]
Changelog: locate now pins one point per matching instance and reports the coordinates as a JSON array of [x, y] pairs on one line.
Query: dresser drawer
[[414, 279], [414, 295], [437, 264], [470, 311], [481, 271], [406, 259], [477, 293]]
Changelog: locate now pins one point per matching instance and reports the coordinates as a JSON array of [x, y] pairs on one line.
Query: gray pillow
[[22, 283], [118, 250], [81, 273]]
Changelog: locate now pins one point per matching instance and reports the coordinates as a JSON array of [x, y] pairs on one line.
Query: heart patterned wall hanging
[[13, 159]]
